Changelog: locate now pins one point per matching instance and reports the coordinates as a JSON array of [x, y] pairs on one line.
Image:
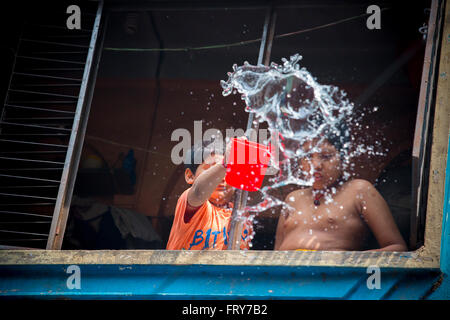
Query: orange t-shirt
[[206, 230]]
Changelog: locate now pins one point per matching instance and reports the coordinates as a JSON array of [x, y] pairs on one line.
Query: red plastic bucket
[[247, 164]]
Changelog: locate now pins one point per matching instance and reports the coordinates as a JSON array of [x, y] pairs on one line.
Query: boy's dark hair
[[194, 156], [338, 137]]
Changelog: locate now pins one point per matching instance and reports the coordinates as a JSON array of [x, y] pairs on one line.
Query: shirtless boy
[[343, 223]]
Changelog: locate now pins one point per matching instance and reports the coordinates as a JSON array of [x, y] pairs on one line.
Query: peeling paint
[[435, 286], [425, 257]]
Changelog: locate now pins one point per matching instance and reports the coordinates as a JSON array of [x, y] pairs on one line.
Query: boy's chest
[[338, 213]]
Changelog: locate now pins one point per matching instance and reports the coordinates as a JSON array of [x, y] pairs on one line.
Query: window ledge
[[418, 259]]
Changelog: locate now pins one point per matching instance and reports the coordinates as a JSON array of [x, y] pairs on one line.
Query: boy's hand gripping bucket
[[247, 164]]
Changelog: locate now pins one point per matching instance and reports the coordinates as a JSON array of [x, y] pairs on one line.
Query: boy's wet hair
[[338, 137], [194, 156]]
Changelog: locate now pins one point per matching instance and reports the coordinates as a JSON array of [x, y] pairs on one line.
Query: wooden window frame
[[426, 257]]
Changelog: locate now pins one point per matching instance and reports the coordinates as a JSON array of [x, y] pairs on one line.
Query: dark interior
[[141, 97]]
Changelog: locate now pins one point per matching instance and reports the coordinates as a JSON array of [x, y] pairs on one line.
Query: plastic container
[[247, 164]]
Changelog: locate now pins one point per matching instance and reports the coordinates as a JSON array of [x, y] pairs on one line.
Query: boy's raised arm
[[379, 218], [205, 184]]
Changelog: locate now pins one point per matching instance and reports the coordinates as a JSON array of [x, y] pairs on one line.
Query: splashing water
[[298, 110]]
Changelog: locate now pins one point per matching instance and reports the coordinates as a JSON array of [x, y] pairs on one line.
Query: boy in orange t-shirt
[[203, 211]]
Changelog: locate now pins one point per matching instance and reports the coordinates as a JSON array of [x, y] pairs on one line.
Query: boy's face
[[322, 163], [224, 192]]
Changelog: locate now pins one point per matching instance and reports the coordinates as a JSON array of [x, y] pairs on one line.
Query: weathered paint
[[441, 289], [407, 260]]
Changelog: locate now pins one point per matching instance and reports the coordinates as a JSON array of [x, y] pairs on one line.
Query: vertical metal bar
[[240, 200], [421, 141], [64, 198]]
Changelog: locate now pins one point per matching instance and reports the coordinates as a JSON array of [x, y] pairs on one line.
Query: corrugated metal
[[212, 282]]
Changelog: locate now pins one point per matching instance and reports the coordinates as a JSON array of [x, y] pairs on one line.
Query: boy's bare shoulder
[[291, 201], [359, 186], [295, 195]]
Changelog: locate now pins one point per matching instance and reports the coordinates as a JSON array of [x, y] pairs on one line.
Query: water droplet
[[318, 109]]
